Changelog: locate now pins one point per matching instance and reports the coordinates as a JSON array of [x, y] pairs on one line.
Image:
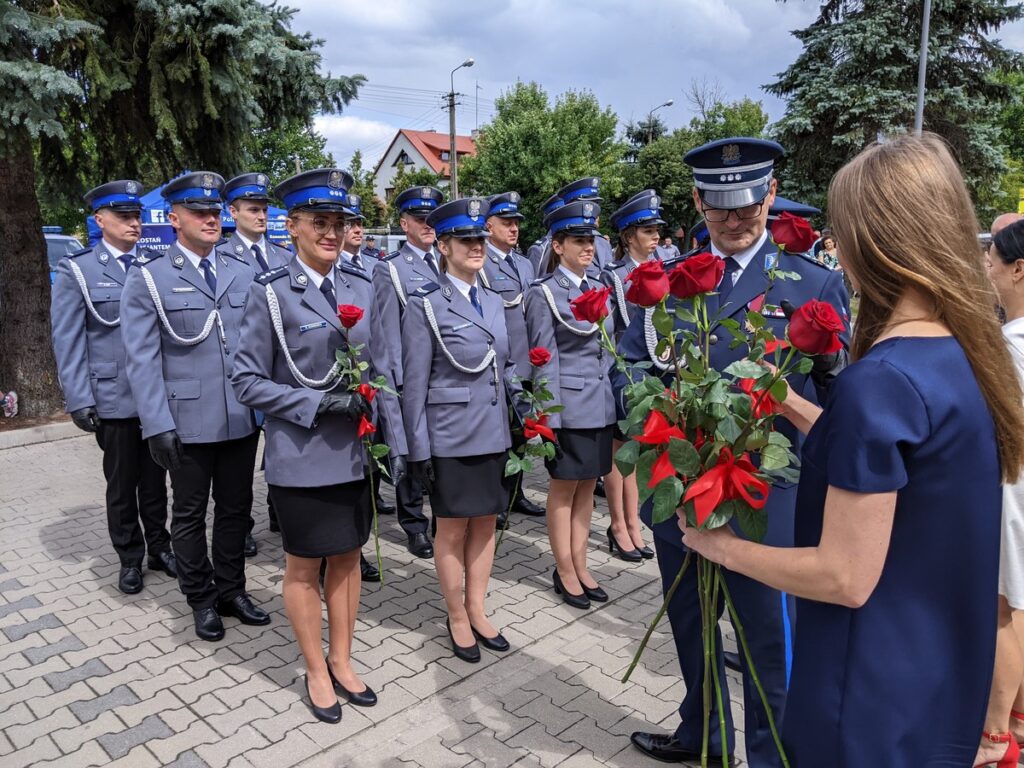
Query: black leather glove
[[398, 469], [559, 453], [86, 419], [351, 405], [824, 368], [166, 451], [423, 471]]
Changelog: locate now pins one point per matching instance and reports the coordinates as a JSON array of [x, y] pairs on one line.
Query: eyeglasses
[[322, 225], [718, 215]]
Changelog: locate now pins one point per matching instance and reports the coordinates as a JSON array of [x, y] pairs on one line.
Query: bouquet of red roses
[[702, 441]]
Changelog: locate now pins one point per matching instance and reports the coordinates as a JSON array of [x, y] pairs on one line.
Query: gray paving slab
[[89, 676]]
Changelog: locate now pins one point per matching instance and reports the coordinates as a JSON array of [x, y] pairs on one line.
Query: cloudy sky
[[632, 55]]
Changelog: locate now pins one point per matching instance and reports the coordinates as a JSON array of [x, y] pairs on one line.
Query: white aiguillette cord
[[213, 317], [80, 278], [558, 316], [328, 382]]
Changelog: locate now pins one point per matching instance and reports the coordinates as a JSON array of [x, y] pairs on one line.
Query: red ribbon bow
[[729, 479]]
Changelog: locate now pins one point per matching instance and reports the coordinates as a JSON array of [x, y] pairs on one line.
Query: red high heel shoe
[[1012, 754]]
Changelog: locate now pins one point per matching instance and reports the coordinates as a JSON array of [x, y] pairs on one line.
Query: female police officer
[[316, 465], [637, 222], [456, 417], [578, 377]]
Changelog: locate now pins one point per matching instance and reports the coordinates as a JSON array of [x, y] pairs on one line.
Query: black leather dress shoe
[[500, 520], [331, 714], [241, 607], [732, 660], [576, 601], [420, 545], [368, 570], [497, 643], [524, 506], [364, 698], [384, 508], [599, 487], [274, 527], [208, 624], [470, 653], [249, 550], [164, 561], [596, 594], [129, 580], [646, 552], [665, 748]]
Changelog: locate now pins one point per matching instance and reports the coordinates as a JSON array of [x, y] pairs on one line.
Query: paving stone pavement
[[89, 676]]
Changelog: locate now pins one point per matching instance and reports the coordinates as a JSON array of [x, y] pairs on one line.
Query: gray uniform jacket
[[186, 387], [510, 277], [535, 253], [303, 451], [90, 354], [394, 279], [448, 411], [578, 372], [275, 255]]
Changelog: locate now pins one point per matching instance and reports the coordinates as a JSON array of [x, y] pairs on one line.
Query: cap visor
[[582, 231], [518, 216], [735, 198], [326, 208], [203, 205], [467, 234], [123, 207]]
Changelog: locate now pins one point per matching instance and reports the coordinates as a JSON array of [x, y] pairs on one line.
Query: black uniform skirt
[[469, 486], [324, 521], [586, 454]]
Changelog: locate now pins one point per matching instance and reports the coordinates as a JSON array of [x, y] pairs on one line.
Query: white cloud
[[347, 133]]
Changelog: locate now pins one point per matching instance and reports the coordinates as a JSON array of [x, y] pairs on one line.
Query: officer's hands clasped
[[166, 450], [399, 469], [86, 419], [351, 405]]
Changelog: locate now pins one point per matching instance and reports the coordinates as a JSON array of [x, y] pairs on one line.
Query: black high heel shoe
[[630, 555], [470, 653], [497, 643], [596, 594], [576, 601], [331, 714], [365, 698], [645, 552]]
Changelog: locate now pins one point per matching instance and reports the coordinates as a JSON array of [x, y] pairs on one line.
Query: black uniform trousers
[[136, 488], [228, 467], [409, 495]]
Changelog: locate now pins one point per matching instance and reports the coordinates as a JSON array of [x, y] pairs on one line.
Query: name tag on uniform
[[417, 279], [312, 326], [107, 285], [502, 277], [460, 327], [183, 290]]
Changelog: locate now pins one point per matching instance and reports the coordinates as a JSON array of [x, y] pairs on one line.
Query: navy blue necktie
[[725, 287], [356, 262], [211, 279], [475, 301], [260, 258], [429, 258], [584, 285], [126, 260], [327, 289]]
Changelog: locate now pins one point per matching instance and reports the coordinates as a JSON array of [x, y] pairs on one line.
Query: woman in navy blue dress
[[898, 511]]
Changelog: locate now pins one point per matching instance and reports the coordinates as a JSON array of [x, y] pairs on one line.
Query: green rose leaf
[[745, 369], [774, 457], [662, 321], [684, 457], [666, 499], [753, 522], [627, 456]]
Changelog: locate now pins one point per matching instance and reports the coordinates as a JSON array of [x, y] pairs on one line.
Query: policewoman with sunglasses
[[316, 463], [577, 375], [454, 338], [637, 221]]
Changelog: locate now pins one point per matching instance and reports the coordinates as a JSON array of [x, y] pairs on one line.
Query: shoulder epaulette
[[348, 269], [82, 252], [390, 256], [543, 278], [145, 256], [266, 277], [808, 258], [425, 289]]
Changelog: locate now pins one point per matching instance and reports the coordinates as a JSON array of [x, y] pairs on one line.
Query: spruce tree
[[856, 79]]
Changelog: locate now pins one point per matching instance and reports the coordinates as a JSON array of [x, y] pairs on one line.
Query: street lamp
[[452, 159], [650, 119]]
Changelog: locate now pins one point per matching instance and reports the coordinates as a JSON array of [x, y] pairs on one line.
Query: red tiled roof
[[431, 144]]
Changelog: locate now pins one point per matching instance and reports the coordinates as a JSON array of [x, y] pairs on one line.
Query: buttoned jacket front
[[510, 276]]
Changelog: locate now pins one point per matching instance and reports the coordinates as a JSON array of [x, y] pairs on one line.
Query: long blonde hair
[[903, 219]]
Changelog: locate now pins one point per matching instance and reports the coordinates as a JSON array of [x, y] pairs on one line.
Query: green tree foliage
[[275, 150], [101, 89], [642, 133], [373, 208], [535, 148], [857, 78]]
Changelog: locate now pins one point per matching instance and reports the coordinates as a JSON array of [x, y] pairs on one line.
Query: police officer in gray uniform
[[455, 347], [370, 250], [537, 252], [286, 367], [85, 314], [183, 312], [509, 273], [394, 279]]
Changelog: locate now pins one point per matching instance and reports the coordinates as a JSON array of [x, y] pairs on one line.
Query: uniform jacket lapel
[[189, 273], [225, 272], [112, 267], [311, 295], [460, 305], [419, 266]]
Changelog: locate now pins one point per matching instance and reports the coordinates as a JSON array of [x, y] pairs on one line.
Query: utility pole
[[477, 109], [922, 67], [650, 119], [452, 157]]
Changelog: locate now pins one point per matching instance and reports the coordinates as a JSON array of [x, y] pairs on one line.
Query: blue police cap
[[553, 203], [199, 191], [122, 195], [505, 205], [641, 210], [732, 173], [419, 201], [577, 218], [322, 189], [248, 186], [463, 218], [355, 207], [581, 189]]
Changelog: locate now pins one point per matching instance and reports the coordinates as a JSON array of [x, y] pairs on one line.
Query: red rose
[[538, 426], [793, 233], [592, 306], [648, 284], [698, 274], [367, 392], [657, 430], [365, 427], [815, 327], [761, 401], [539, 357], [349, 314], [662, 468]]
